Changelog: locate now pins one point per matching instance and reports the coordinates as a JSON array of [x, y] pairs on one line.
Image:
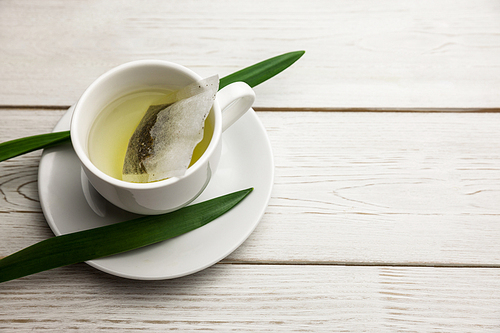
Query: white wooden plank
[[370, 188], [397, 54], [257, 298]]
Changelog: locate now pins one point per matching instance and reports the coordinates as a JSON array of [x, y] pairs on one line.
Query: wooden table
[[384, 214]]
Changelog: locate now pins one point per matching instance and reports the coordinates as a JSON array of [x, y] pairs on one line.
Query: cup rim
[[85, 160]]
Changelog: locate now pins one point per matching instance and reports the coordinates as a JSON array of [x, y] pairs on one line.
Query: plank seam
[[359, 264], [388, 110], [300, 109]]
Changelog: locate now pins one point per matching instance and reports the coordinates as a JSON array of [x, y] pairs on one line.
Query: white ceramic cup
[[169, 194]]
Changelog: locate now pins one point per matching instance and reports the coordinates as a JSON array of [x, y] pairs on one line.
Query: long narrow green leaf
[[262, 71], [252, 75], [28, 144], [116, 238]]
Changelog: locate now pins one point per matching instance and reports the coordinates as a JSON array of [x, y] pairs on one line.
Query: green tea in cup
[[113, 130]]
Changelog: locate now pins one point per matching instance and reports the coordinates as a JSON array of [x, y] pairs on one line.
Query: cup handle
[[234, 100]]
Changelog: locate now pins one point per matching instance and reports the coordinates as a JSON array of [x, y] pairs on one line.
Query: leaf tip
[[298, 54], [247, 191]]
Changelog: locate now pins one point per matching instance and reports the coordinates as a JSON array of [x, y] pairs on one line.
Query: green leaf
[[25, 145], [262, 71], [116, 238], [253, 75]]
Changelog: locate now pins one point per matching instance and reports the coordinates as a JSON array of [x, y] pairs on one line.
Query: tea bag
[[163, 142]]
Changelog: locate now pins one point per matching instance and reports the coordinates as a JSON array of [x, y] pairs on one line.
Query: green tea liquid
[[111, 131]]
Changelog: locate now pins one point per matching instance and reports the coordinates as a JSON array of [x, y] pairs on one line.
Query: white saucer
[[246, 161]]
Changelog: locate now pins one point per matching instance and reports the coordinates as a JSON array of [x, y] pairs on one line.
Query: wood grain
[[397, 54], [253, 298], [406, 187], [378, 221], [350, 188]]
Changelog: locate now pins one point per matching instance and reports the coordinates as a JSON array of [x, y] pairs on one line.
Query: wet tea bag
[[163, 142]]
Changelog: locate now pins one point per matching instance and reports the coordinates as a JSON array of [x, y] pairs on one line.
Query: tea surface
[[111, 131]]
